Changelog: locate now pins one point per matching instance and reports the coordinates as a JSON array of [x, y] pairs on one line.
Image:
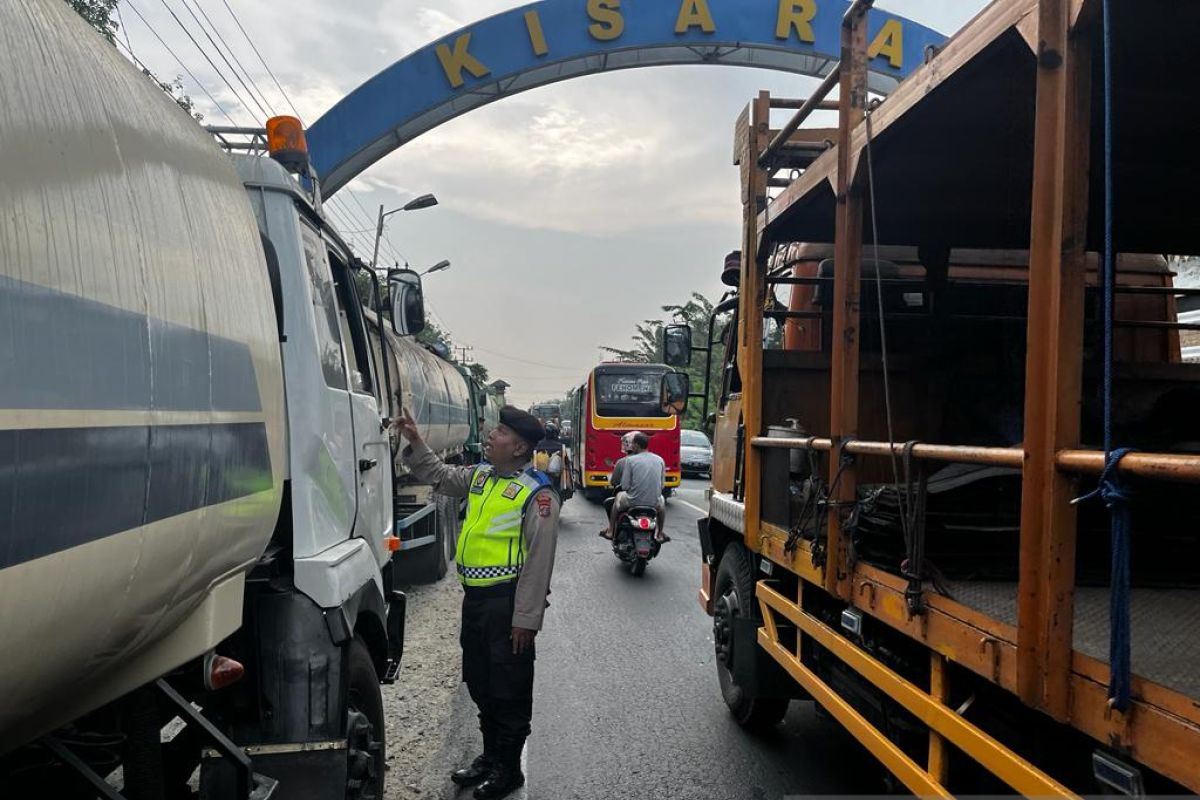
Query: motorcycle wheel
[[637, 568]]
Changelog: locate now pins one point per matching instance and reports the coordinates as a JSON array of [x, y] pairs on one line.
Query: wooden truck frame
[[997, 143]]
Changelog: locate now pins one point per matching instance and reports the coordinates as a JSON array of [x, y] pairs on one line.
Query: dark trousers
[[500, 683]]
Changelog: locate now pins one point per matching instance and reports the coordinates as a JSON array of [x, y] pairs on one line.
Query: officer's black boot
[[506, 777], [482, 766], [478, 772]]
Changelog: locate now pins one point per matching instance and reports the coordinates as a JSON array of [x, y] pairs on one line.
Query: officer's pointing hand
[[406, 426], [522, 638]]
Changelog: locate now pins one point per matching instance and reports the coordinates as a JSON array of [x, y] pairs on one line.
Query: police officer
[[504, 556]]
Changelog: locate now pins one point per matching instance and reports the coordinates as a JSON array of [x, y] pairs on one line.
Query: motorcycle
[[635, 538]]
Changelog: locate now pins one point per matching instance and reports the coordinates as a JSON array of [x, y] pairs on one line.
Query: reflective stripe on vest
[[491, 549]]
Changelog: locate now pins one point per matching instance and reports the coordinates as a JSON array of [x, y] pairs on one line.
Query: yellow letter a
[[454, 62], [695, 14], [889, 42]]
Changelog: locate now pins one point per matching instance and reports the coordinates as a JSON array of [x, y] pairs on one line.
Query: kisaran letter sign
[[554, 40]]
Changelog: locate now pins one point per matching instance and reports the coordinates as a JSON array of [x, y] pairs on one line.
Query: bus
[[616, 398], [546, 412]]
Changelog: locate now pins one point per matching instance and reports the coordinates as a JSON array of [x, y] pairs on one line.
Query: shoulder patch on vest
[[480, 480], [534, 479], [512, 490]]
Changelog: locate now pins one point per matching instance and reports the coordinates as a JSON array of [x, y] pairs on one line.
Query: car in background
[[695, 454]]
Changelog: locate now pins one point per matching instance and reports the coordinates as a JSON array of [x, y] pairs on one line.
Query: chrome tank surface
[[431, 388], [142, 452]]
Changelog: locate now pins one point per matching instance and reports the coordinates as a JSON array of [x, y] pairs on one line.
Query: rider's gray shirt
[[641, 476]]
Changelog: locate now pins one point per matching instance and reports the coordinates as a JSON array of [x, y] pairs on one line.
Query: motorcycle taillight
[[643, 523]]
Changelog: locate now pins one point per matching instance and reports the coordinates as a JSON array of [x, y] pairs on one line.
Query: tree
[[99, 14], [647, 349], [478, 371]]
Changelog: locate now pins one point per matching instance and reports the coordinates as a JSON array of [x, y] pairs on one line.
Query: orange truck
[[951, 362]]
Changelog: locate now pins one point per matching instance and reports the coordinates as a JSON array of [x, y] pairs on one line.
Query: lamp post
[[424, 201], [438, 267]]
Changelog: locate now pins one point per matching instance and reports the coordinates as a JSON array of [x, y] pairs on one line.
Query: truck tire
[[733, 592], [365, 732]]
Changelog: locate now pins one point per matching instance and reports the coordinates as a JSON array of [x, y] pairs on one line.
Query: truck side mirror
[[677, 345], [408, 302], [674, 391]]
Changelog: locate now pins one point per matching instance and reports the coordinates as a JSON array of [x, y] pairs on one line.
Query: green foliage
[[436, 337], [99, 14], [647, 348], [478, 371]]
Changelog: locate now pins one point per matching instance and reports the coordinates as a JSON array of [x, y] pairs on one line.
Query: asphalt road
[[626, 699]]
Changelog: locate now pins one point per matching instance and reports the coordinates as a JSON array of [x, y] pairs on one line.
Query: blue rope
[[1111, 489], [1117, 497]]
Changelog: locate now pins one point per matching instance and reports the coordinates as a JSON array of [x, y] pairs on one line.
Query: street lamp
[[438, 267], [424, 201]]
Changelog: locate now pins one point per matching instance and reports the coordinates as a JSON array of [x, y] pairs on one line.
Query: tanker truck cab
[[321, 617]]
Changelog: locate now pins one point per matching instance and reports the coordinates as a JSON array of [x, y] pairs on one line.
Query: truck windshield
[[629, 392]]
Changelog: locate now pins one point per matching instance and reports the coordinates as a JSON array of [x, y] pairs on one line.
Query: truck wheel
[[366, 747], [594, 495], [734, 593]]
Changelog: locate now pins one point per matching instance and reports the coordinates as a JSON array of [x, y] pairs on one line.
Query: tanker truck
[[195, 477], [444, 400]]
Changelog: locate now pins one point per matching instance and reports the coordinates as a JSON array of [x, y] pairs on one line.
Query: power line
[[261, 60], [337, 218], [527, 361], [204, 53], [216, 47], [232, 55], [350, 231], [385, 241], [179, 61], [125, 33]]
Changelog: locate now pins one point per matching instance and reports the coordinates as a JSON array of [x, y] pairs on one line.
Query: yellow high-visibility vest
[[490, 548]]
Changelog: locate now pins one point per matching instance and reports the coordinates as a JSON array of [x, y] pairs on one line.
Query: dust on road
[[419, 705]]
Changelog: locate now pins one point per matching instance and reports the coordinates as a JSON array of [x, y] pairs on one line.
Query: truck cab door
[[373, 454]]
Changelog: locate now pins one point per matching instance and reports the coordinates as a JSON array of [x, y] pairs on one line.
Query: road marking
[[703, 511]]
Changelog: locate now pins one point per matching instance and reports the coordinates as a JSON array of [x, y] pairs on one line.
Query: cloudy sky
[[570, 212]]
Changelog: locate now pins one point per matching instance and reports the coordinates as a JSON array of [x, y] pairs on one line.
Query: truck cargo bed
[[1165, 648]]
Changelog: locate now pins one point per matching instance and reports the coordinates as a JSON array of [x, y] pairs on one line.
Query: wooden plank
[[1053, 366], [811, 135], [991, 23], [847, 267], [1158, 739], [1163, 724], [752, 294]]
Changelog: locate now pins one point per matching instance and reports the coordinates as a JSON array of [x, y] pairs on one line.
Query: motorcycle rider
[[549, 456], [639, 478]]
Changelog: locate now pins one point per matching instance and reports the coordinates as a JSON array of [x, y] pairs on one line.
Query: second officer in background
[[504, 558]]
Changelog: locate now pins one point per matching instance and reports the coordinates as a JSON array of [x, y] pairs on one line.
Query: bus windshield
[[629, 392]]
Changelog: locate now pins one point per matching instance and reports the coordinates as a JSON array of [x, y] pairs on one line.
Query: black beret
[[523, 424]]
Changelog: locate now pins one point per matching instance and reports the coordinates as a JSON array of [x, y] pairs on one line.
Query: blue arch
[[553, 40]]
